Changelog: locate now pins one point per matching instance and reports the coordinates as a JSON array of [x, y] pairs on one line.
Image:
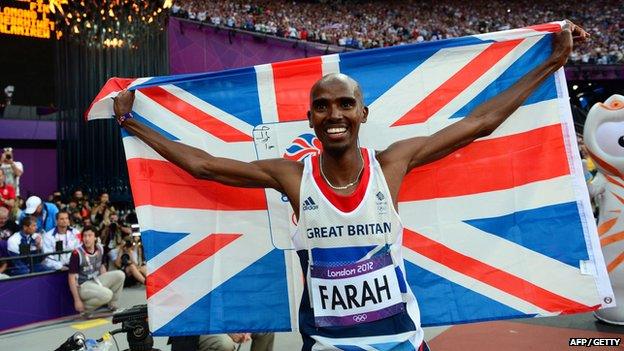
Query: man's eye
[[320, 107], [347, 104]]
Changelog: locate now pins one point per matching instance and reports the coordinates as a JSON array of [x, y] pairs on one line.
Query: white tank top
[[338, 230]]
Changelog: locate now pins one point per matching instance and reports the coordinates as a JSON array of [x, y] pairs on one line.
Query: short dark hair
[[61, 212], [91, 228], [28, 220]]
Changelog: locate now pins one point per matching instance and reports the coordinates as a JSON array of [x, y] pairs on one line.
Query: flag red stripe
[[489, 165], [461, 80], [192, 114], [160, 183], [546, 27], [112, 85], [292, 81], [490, 275], [186, 260]]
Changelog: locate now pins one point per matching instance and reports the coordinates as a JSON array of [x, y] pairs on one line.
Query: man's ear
[[365, 112], [310, 119]]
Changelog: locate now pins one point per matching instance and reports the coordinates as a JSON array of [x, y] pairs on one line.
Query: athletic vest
[[89, 263], [341, 230]]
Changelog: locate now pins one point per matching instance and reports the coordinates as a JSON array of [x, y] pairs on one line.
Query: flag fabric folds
[[499, 229]]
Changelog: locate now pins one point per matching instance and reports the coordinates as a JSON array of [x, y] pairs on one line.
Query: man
[[7, 227], [44, 212], [26, 241], [12, 169], [377, 305], [7, 192], [90, 284], [65, 237]]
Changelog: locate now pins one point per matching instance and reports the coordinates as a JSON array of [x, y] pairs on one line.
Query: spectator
[[7, 192], [24, 242], [7, 227], [4, 265], [12, 169], [130, 261], [44, 212], [90, 284], [61, 238]]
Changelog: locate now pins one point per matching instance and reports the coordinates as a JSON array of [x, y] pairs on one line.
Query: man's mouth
[[335, 131]]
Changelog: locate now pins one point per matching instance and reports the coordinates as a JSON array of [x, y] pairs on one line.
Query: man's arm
[[202, 165], [403, 156], [72, 280]]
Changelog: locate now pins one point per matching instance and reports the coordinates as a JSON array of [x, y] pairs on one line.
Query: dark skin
[[336, 113]]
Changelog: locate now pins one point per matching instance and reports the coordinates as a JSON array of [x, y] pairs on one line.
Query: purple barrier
[[194, 48], [34, 299], [27, 129]]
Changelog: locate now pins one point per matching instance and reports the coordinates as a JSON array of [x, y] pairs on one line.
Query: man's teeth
[[336, 130]]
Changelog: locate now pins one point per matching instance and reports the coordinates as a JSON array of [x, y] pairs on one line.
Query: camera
[[128, 243], [113, 226], [134, 322], [8, 156]]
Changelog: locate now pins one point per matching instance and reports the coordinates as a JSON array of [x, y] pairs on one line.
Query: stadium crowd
[[371, 24]]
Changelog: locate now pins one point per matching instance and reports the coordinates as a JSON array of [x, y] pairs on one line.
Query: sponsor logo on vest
[[351, 296], [309, 204]]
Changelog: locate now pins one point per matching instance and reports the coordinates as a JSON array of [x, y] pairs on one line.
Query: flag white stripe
[[266, 93]]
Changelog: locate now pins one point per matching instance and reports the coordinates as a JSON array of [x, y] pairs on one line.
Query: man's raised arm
[[483, 120], [200, 164]]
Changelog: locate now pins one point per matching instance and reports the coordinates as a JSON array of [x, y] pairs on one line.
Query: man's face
[[38, 210], [30, 229], [104, 198], [63, 221], [88, 238], [78, 195], [336, 112]]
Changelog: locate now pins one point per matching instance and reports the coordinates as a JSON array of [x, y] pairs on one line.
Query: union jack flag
[[499, 229]]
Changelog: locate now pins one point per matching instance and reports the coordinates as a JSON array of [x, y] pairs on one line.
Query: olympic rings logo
[[359, 318]]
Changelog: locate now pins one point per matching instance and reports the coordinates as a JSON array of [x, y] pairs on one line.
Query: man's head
[[104, 198], [88, 237], [34, 206], [29, 225], [336, 111], [78, 195], [62, 220], [4, 216]]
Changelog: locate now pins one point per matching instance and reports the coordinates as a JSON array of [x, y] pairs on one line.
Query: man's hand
[[240, 338], [79, 306], [563, 41], [123, 102]]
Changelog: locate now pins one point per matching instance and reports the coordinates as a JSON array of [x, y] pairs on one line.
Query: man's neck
[[341, 167], [90, 249], [61, 230]]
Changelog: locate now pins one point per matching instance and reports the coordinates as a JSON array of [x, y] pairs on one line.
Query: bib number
[[356, 293]]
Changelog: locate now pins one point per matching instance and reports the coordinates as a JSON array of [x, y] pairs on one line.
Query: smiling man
[[349, 232]]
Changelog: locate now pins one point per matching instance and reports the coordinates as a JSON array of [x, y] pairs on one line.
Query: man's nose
[[335, 112]]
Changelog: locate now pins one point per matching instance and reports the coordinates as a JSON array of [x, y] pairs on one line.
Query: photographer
[[82, 203], [12, 169], [101, 212], [111, 236], [89, 282], [44, 212], [130, 260]]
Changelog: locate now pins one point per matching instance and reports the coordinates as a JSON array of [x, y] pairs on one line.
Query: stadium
[[228, 175]]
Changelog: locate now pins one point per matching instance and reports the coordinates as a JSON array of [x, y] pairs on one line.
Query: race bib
[[357, 293]]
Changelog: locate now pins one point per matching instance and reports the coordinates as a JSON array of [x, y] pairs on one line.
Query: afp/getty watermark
[[589, 342]]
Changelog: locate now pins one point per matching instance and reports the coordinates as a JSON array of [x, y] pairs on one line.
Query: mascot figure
[[604, 139]]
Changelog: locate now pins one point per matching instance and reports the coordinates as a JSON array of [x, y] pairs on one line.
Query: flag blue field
[[499, 229]]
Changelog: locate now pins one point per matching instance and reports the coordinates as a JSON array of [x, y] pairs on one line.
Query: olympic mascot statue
[[604, 139]]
